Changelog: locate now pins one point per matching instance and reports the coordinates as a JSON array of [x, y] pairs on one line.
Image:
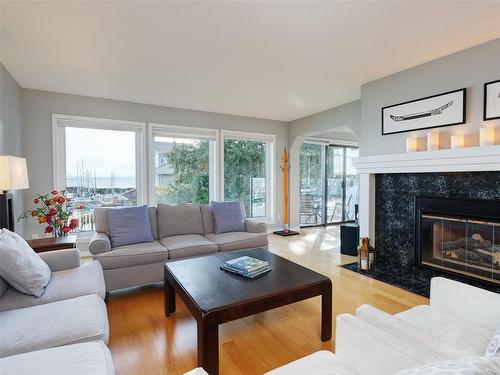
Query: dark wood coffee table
[[215, 296]]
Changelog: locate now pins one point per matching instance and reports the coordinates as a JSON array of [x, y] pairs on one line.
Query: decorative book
[[247, 266]]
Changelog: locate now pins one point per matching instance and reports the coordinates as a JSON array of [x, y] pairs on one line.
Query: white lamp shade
[[13, 173]]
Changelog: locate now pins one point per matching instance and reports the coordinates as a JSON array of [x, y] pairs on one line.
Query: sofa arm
[[60, 260], [254, 226], [467, 302], [355, 336], [99, 243]]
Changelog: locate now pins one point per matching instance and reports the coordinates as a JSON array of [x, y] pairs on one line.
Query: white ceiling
[[275, 60]]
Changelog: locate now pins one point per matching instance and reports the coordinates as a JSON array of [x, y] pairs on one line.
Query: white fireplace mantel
[[471, 159]]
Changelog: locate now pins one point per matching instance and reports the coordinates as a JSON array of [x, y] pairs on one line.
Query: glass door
[[342, 184], [312, 185]]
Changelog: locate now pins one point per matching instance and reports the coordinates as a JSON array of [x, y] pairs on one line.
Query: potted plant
[[51, 211]]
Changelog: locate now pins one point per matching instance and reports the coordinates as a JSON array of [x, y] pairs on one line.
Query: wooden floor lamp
[[285, 167]]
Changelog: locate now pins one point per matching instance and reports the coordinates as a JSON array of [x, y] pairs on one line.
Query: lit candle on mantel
[[486, 136], [411, 144], [457, 141], [432, 141]]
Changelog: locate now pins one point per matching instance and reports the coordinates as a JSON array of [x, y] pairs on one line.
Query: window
[[248, 172], [184, 165], [311, 183], [98, 162]]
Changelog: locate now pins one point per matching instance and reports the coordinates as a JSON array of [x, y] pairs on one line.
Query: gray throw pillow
[[20, 266], [129, 225], [493, 349], [228, 217]]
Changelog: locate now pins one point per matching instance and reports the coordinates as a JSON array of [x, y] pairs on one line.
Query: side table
[[41, 245], [349, 239]]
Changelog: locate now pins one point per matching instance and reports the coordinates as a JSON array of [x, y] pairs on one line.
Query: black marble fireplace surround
[[395, 222]]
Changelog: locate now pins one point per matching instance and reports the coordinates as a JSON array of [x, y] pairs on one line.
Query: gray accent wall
[[325, 122], [10, 127], [38, 107], [470, 68]]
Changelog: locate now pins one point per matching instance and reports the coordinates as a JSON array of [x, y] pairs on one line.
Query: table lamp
[[13, 176]]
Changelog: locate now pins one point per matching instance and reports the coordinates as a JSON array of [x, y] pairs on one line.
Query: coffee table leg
[[208, 346], [326, 312], [169, 296]]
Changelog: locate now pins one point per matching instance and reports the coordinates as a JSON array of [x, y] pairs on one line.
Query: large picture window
[[183, 165], [248, 172], [98, 164]]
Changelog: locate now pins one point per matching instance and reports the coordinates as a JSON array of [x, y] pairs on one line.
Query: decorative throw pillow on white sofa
[[493, 349], [20, 266], [463, 366]]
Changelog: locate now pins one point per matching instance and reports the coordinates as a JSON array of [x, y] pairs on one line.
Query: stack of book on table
[[247, 266]]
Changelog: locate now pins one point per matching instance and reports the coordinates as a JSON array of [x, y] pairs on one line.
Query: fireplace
[[459, 236]]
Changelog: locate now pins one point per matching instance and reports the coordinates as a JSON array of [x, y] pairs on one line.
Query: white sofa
[[458, 323], [64, 331]]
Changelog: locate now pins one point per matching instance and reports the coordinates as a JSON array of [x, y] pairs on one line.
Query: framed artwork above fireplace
[[431, 112], [491, 100]]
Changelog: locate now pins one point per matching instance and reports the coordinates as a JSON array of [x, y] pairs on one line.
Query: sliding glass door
[[312, 185], [342, 186], [328, 184]]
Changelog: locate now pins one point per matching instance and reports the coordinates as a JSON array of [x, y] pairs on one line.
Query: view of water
[[123, 182]]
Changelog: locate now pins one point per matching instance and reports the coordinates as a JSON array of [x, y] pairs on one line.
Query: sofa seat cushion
[[75, 282], [188, 245], [319, 363], [133, 255], [89, 358], [408, 331], [238, 240], [449, 328], [60, 323]]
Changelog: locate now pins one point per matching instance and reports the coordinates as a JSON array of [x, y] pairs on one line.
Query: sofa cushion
[[101, 220], [493, 349], [461, 366], [228, 217], [408, 331], [179, 219], [188, 245], [447, 327], [75, 282], [89, 358], [238, 240], [21, 267], [133, 255], [129, 225], [3, 287], [53, 324], [320, 363], [208, 218]]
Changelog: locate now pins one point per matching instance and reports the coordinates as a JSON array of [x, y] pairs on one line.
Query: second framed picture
[[491, 100], [431, 112]]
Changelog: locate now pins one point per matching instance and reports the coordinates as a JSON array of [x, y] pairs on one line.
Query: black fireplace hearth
[[395, 224]]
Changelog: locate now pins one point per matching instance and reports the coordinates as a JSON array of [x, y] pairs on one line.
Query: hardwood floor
[[144, 342]]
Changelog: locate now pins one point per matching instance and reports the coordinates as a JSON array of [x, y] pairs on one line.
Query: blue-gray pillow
[[129, 225], [228, 217]]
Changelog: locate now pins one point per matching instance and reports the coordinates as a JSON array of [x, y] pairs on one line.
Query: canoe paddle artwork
[[432, 112]]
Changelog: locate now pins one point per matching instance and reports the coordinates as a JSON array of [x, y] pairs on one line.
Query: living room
[[250, 187]]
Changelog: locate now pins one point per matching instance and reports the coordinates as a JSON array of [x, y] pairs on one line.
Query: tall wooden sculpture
[[285, 167]]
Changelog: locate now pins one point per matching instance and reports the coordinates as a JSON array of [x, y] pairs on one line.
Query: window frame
[[270, 140], [157, 129], [60, 122]]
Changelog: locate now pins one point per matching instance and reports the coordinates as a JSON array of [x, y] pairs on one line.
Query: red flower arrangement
[[52, 212]]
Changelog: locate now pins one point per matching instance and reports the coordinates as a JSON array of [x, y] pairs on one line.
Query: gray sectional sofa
[[180, 231], [65, 330]]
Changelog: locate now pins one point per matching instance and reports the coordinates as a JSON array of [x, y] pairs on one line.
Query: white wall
[[38, 106], [10, 128], [470, 68]]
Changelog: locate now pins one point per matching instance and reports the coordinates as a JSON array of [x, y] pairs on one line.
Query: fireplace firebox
[[459, 236]]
